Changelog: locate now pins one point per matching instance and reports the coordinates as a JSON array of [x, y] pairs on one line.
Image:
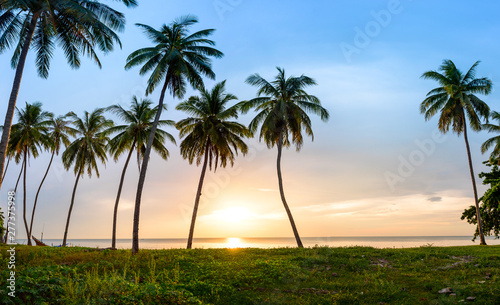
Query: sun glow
[[233, 214], [233, 243]]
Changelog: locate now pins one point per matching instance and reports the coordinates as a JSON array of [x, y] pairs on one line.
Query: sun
[[233, 243]]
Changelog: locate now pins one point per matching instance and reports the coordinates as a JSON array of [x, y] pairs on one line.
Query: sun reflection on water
[[234, 242]]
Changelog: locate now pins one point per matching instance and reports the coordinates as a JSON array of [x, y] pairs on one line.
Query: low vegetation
[[319, 275]]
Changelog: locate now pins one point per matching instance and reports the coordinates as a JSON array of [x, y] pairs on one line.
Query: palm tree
[[29, 134], [209, 135], [58, 135], [177, 58], [84, 152], [282, 107], [78, 26], [495, 154], [134, 136], [455, 99]]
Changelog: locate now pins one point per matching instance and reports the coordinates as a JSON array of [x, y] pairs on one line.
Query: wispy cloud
[[268, 190]]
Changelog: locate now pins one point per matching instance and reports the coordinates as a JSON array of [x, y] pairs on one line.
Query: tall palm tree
[[78, 26], [58, 134], [177, 58], [29, 135], [282, 106], [88, 148], [494, 141], [134, 136], [209, 135], [455, 100]]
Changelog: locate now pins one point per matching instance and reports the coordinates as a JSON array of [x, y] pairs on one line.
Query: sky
[[376, 168]]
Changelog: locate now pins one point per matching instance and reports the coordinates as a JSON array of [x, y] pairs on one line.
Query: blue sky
[[367, 57]]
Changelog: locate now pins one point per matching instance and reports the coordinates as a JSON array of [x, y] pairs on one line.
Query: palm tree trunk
[[142, 175], [478, 213], [24, 196], [115, 213], [38, 192], [19, 177], [71, 207], [5, 171], [15, 90], [197, 200], [282, 193]]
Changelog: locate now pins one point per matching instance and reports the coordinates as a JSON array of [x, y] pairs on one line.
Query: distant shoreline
[[280, 242]]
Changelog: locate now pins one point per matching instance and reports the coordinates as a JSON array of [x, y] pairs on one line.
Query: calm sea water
[[376, 242]]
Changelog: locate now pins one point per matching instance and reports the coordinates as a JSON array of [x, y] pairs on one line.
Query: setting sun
[[233, 243]]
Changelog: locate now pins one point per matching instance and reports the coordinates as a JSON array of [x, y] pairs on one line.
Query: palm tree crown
[[134, 134], [494, 141], [59, 132], [30, 132], [208, 129], [177, 57], [455, 98], [78, 26], [90, 145], [282, 107]]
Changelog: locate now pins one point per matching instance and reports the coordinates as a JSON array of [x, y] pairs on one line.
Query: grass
[[320, 275]]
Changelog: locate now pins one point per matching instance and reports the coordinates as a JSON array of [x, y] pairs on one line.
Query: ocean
[[273, 242]]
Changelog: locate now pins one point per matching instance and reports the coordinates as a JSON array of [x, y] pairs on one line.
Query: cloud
[[267, 190], [435, 199]]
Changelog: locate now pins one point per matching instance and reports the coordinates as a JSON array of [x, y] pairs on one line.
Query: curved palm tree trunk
[[115, 213], [38, 192], [24, 197], [142, 175], [476, 201], [282, 193], [5, 171], [197, 200], [19, 177], [13, 95], [71, 207]]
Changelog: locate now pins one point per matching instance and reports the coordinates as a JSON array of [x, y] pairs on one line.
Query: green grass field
[[320, 275]]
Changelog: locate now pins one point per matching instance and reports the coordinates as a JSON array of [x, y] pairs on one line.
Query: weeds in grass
[[319, 275]]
